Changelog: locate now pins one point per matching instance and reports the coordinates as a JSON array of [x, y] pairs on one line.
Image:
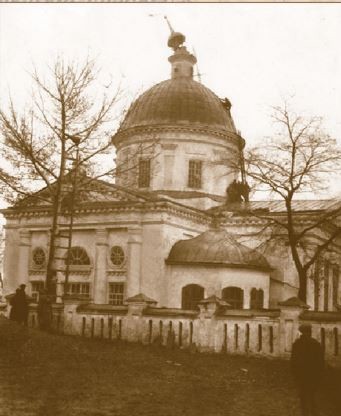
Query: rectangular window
[[116, 291], [144, 173], [194, 173], [81, 289], [35, 288]]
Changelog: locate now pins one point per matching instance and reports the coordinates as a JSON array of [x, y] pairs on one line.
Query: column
[[100, 279], [24, 257], [134, 261]]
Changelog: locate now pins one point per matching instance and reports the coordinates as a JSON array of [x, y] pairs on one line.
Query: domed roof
[[179, 101], [216, 247]]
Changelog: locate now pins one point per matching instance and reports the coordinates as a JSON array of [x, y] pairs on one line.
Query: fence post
[[291, 310], [209, 337], [72, 323], [134, 327]]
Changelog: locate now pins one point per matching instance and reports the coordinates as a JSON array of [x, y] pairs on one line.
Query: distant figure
[[307, 359], [245, 191], [238, 192], [14, 315], [226, 103], [233, 192], [22, 305], [44, 310]]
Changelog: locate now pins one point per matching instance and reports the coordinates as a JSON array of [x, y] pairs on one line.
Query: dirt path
[[49, 375]]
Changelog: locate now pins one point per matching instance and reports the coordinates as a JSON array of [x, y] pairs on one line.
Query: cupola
[[174, 136], [182, 61]]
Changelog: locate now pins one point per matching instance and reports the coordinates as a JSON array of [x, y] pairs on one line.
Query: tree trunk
[[51, 272], [302, 291], [302, 272]]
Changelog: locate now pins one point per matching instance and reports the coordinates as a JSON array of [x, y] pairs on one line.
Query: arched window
[[257, 299], [117, 256], [234, 296], [191, 295], [78, 257], [39, 257]]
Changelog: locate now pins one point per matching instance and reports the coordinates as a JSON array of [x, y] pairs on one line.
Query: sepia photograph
[[170, 209]]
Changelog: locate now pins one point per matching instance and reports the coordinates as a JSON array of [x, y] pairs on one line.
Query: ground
[[50, 375]]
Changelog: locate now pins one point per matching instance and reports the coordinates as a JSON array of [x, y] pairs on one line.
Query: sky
[[257, 55]]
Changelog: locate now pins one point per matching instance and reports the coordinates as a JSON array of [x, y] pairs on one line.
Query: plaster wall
[[117, 237], [170, 156], [157, 240], [284, 283], [97, 233], [213, 280], [11, 261]]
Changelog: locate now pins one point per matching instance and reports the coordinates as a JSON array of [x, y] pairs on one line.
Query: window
[[191, 295], [257, 299], [117, 256], [36, 287], [234, 296], [39, 257], [194, 173], [116, 291], [80, 289], [144, 173], [78, 257]]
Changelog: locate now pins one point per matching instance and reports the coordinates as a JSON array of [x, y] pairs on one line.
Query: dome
[[179, 101], [216, 247]]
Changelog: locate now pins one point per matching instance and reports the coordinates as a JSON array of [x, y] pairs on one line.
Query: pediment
[[89, 191]]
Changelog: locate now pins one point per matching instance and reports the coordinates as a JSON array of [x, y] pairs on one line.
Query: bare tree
[[66, 117], [299, 159]]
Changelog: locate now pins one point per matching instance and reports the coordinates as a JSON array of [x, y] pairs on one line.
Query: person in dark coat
[[307, 360], [44, 310], [14, 315], [22, 305]]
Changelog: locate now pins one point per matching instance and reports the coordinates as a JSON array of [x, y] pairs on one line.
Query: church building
[[166, 229]]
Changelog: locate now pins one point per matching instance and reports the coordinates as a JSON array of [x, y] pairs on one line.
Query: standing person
[[22, 305], [14, 315], [307, 360], [44, 310]]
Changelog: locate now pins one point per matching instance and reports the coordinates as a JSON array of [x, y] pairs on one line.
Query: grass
[[50, 375]]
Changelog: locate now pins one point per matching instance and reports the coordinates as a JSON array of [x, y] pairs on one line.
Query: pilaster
[[134, 261], [267, 298], [247, 299], [24, 256], [100, 279]]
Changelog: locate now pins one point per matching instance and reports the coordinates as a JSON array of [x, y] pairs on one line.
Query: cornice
[[121, 135], [301, 219], [148, 206]]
